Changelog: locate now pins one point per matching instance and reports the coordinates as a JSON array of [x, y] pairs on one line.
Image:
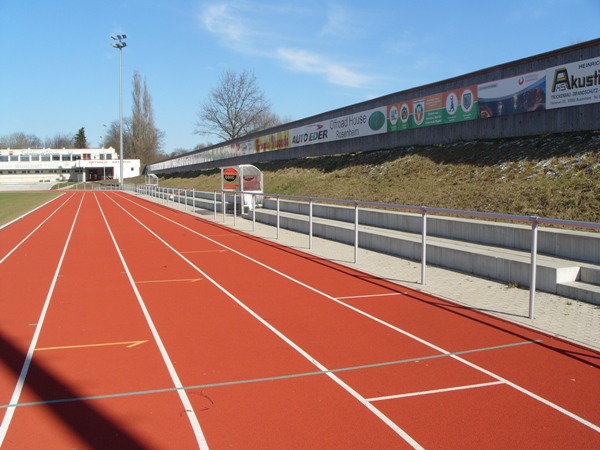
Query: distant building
[[48, 165]]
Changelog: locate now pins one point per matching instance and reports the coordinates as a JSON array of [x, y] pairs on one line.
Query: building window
[[55, 157], [24, 158], [66, 157], [14, 157], [3, 158], [35, 157], [45, 157]]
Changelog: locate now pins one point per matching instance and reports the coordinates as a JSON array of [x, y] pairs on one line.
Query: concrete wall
[[576, 118]]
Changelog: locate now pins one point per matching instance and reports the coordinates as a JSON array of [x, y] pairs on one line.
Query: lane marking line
[[435, 391], [389, 294], [36, 334], [266, 379], [204, 251], [36, 228], [127, 344], [187, 405], [386, 324], [181, 280], [386, 420]]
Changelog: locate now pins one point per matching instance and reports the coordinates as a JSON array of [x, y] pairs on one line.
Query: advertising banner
[[230, 179], [457, 105], [275, 141], [523, 93], [573, 84], [364, 123]]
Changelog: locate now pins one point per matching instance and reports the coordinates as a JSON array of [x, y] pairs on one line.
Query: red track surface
[[130, 325]]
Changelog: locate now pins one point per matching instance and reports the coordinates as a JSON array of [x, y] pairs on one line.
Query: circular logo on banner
[[404, 113], [393, 115], [230, 174], [451, 103]]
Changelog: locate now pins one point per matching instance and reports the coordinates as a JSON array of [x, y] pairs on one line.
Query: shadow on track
[[81, 417]]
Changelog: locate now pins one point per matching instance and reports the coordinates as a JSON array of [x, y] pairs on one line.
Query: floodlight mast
[[120, 44]]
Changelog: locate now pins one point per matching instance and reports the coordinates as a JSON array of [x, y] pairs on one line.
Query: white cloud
[[262, 33], [230, 28], [303, 61]]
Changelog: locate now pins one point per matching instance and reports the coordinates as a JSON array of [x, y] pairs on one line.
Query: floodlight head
[[119, 37]]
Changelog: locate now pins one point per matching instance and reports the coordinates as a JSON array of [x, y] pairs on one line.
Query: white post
[[533, 268], [355, 233], [215, 205], [223, 201], [253, 212], [278, 221], [423, 246], [310, 223]]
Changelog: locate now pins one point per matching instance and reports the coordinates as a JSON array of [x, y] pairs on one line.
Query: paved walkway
[[573, 320]]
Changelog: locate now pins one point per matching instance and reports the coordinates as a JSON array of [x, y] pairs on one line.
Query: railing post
[[235, 208], [253, 212], [277, 216], [310, 222], [224, 201], [533, 267], [423, 244], [355, 232], [215, 205]]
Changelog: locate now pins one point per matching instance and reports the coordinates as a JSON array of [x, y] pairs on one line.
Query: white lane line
[[386, 324], [35, 229], [434, 391], [38, 329], [163, 351], [391, 424], [389, 294]]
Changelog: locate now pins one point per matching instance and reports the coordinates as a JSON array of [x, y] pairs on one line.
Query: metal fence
[[221, 199]]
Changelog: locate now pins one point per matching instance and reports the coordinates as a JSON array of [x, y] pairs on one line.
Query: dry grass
[[550, 176], [15, 204]]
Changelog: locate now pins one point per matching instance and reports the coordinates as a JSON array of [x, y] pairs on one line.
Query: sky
[[59, 72]]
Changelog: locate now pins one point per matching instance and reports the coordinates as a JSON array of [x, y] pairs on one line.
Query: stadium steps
[[568, 278]]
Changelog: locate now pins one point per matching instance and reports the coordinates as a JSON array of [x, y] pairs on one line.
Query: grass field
[[15, 204]]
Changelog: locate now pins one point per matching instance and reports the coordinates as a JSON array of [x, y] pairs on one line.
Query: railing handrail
[[424, 210], [446, 211]]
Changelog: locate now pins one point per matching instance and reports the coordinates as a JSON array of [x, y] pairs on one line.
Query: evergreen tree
[[79, 141]]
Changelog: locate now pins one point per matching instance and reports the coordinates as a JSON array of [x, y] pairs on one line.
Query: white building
[[48, 165]]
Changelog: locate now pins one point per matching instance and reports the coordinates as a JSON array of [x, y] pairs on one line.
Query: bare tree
[[20, 140], [236, 107], [112, 138], [145, 138], [60, 140]]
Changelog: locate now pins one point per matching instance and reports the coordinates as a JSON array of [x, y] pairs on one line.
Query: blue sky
[[58, 71]]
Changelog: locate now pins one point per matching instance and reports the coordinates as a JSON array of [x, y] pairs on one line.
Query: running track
[[126, 324]]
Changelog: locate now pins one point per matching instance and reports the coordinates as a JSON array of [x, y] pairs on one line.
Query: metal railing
[[220, 198]]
